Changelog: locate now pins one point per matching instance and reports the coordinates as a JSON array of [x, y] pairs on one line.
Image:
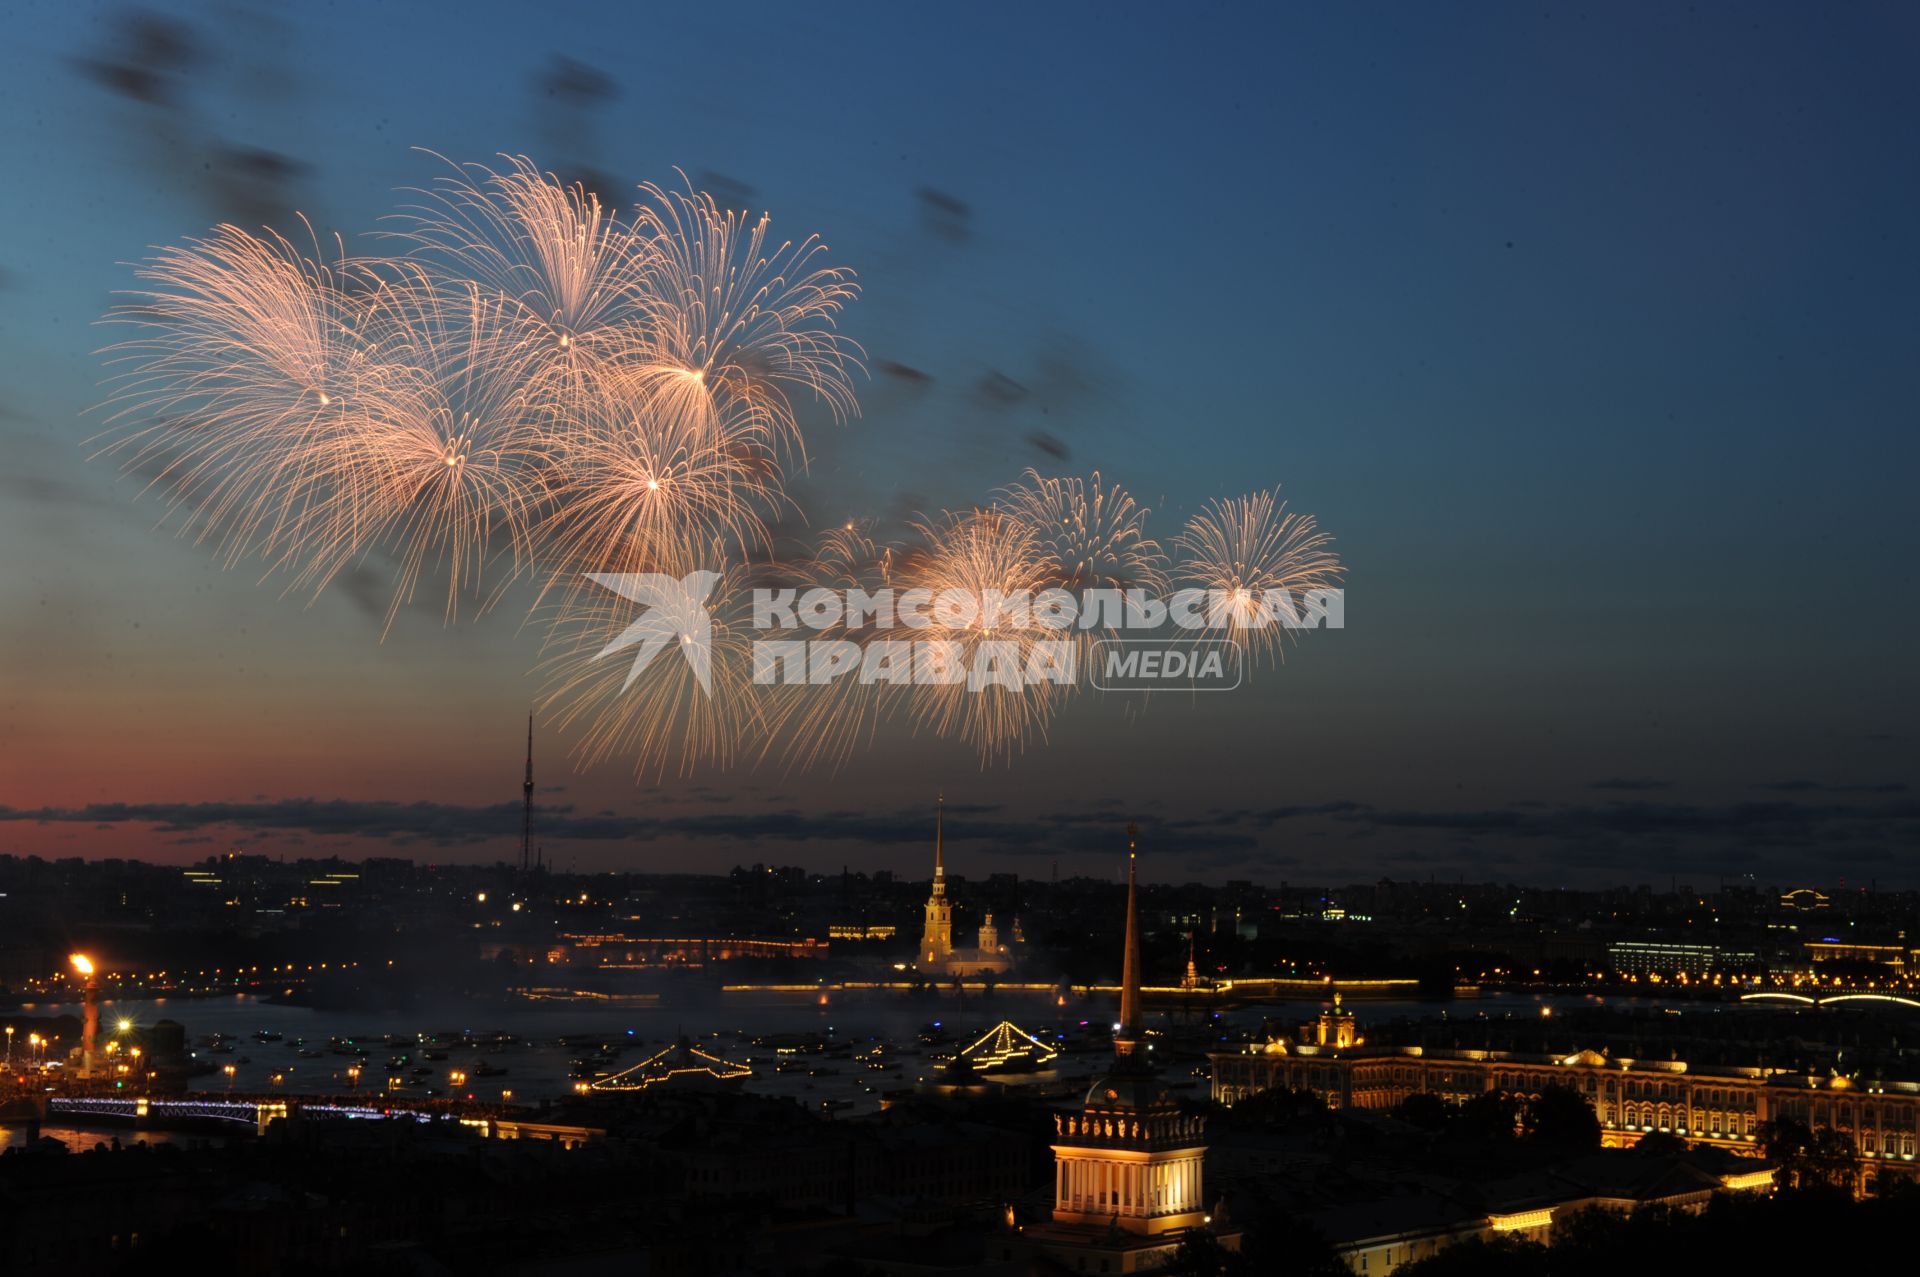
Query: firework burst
[[1090, 534], [541, 386], [445, 469], [735, 328], [654, 488], [247, 378], [1246, 547], [660, 716], [569, 274], [981, 558], [827, 723]]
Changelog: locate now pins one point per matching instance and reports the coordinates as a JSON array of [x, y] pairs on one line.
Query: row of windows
[[1668, 1117], [1842, 1116], [1715, 1110]]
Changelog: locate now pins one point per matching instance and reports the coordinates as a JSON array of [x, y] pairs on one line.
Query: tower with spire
[[936, 940], [1128, 1164], [526, 810]]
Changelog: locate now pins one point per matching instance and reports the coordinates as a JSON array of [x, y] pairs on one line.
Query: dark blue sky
[[1588, 332]]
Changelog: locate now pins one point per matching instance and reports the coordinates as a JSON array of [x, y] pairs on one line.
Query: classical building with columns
[[1129, 1164], [1719, 1105]]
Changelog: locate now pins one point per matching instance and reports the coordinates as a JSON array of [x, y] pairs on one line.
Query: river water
[[537, 1065]]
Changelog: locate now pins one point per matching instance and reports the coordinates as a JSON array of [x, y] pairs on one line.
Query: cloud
[[1645, 819], [1820, 787], [450, 825], [1631, 783], [1626, 836]]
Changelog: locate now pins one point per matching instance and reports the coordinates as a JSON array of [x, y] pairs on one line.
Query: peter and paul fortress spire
[[936, 940]]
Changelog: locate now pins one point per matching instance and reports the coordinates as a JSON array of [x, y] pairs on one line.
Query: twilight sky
[[1588, 332]]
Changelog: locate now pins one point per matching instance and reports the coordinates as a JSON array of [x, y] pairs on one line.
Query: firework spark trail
[[984, 556], [660, 718], [658, 488], [1091, 534], [445, 470], [1245, 547], [734, 328], [248, 372], [825, 724], [533, 354], [571, 276], [539, 385]]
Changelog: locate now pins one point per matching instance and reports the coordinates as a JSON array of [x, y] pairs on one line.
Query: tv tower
[[526, 812]]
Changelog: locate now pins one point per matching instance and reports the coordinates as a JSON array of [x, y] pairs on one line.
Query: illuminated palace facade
[[1721, 1106], [1128, 1165]]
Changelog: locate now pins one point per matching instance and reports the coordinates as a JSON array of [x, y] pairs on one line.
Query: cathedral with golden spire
[[936, 941], [1128, 1164], [937, 954]]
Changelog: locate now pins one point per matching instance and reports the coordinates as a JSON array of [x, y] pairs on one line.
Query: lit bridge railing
[[136, 1107], [254, 1113]]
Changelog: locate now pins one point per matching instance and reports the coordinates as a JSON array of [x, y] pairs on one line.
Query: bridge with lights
[[1837, 999], [252, 1114]]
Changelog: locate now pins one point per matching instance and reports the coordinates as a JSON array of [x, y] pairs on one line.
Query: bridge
[[253, 1113], [1211, 994], [1837, 999]]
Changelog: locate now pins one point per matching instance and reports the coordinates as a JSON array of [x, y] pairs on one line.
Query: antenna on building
[[526, 812]]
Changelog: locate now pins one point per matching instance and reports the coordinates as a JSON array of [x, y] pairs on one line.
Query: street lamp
[[228, 1070], [353, 1075], [9, 1047], [83, 967]]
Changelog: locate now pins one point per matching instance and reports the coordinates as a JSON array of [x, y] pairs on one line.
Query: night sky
[[1590, 334]]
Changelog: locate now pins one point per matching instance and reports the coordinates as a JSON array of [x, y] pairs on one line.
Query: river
[[537, 1065]]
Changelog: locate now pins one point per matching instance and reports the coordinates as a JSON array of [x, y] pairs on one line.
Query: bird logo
[[676, 615]]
